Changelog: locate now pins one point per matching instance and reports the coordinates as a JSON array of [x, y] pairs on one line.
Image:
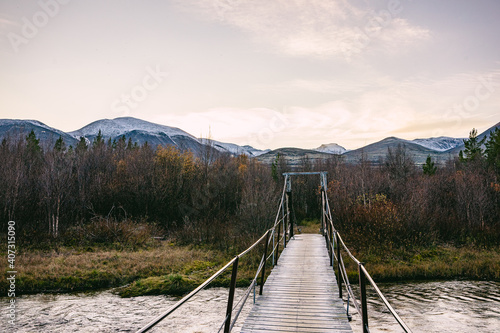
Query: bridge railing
[[272, 238], [336, 246]]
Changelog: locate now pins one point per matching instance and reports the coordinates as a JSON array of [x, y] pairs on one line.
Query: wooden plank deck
[[301, 293]]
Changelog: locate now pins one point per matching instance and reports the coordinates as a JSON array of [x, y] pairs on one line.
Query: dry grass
[[175, 270], [309, 226], [437, 263], [165, 269], [72, 270]]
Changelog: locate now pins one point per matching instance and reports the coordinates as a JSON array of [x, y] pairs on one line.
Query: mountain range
[[141, 131]]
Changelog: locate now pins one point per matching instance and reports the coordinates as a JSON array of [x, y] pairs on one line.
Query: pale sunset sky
[[269, 73]]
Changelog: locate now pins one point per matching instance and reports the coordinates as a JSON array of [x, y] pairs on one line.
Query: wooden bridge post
[[230, 300], [326, 227], [285, 217], [323, 211], [263, 274], [362, 288], [289, 204], [290, 210], [278, 245], [339, 272]]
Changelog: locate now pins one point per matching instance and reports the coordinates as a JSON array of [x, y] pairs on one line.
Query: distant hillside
[[294, 156], [331, 148], [140, 131], [441, 144], [377, 151], [234, 149], [15, 128]]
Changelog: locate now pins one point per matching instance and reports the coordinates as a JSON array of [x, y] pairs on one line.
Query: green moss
[[172, 284]]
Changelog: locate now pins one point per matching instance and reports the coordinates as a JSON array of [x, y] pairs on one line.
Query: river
[[453, 306]]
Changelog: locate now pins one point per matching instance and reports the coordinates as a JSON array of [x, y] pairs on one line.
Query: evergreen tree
[[492, 151], [60, 146], [129, 144], [81, 146], [98, 140], [473, 150], [33, 144], [428, 167], [121, 144], [274, 168]]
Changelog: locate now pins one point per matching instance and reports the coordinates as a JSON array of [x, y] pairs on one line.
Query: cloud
[[314, 28], [370, 112]]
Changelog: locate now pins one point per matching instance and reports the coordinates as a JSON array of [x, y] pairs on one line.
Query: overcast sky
[[269, 73]]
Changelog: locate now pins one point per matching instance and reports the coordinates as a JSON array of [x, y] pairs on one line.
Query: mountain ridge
[[141, 131]]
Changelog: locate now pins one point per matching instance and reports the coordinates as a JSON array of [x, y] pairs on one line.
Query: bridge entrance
[[289, 198], [302, 293]]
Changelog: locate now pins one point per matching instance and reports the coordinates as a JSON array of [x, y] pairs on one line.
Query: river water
[[454, 306]]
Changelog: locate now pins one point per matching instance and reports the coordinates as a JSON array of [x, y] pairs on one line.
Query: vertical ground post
[[285, 217], [290, 209], [362, 288], [263, 274], [230, 300], [278, 245], [289, 203], [339, 272]]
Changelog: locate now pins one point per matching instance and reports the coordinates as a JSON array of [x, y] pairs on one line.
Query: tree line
[[398, 204], [96, 189], [213, 198]]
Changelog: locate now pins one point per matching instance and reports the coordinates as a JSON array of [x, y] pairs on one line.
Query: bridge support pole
[[289, 202], [278, 244], [362, 288], [263, 274], [323, 212], [339, 272], [285, 218], [230, 300]]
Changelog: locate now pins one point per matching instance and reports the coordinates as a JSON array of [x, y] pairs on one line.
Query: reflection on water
[[455, 306]]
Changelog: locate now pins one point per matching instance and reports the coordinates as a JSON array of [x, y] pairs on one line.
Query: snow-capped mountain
[[232, 148], [123, 125], [442, 143], [331, 148], [142, 131], [20, 127]]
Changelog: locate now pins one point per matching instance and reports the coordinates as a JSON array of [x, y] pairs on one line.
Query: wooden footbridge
[[302, 293]]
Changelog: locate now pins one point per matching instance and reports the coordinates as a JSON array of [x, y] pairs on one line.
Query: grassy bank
[[166, 269], [437, 262], [441, 262]]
